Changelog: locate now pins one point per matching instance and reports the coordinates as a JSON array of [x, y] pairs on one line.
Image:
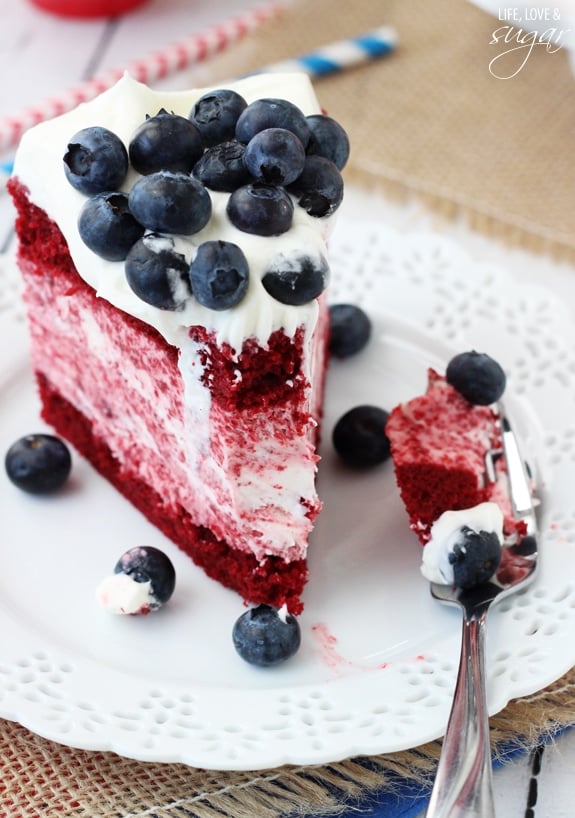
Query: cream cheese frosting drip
[[122, 109]]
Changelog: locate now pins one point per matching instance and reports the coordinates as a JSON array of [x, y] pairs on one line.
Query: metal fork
[[463, 785]]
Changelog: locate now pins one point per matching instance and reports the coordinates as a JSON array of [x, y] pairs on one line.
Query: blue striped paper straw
[[341, 55], [5, 173]]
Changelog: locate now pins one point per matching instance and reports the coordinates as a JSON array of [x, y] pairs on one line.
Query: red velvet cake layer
[[112, 386], [439, 444], [275, 582]]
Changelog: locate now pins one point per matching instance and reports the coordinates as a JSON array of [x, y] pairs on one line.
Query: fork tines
[[519, 480]]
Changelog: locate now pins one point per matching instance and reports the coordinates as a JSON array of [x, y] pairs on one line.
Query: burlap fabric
[[430, 121], [434, 122]]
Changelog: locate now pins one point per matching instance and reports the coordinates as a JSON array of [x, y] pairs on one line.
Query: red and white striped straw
[[159, 64]]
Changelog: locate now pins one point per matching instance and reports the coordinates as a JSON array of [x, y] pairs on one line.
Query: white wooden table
[[41, 56]]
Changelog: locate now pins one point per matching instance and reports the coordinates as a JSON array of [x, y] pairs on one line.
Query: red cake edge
[[274, 582]]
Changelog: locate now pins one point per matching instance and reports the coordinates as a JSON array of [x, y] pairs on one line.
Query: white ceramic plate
[[378, 661]]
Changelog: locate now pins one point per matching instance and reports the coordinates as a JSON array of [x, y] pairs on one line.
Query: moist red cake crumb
[[439, 444], [270, 376]]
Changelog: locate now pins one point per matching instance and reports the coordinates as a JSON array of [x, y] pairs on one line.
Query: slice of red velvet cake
[[202, 412], [440, 445]]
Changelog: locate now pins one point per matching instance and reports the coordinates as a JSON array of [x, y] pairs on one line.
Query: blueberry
[[475, 557], [527, 546], [165, 142], [328, 139], [145, 563], [38, 463], [107, 227], [168, 202], [349, 330], [272, 113], [319, 188], [222, 167], [476, 376], [219, 275], [95, 161], [157, 273], [275, 156], [359, 437], [215, 115], [264, 636], [261, 209], [295, 279]]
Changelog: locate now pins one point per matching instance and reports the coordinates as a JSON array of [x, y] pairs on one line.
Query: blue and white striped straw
[[341, 55], [5, 172]]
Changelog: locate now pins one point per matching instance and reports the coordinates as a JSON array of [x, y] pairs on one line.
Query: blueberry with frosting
[[143, 581], [465, 546], [296, 278], [157, 273]]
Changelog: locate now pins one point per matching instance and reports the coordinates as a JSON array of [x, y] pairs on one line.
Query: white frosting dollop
[[446, 532], [39, 166], [121, 594]]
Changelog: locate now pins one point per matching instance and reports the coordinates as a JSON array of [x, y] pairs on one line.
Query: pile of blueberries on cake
[[265, 155]]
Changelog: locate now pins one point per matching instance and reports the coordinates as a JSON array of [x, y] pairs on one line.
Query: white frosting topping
[[39, 166], [120, 594], [446, 532]]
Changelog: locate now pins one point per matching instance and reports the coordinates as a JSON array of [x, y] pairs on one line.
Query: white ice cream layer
[[446, 532]]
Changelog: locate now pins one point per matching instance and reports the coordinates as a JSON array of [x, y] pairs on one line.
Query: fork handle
[[463, 785]]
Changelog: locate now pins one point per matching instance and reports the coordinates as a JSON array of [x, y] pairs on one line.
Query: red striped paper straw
[[159, 64]]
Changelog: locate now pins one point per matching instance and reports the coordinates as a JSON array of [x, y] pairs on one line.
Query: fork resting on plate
[[463, 785]]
